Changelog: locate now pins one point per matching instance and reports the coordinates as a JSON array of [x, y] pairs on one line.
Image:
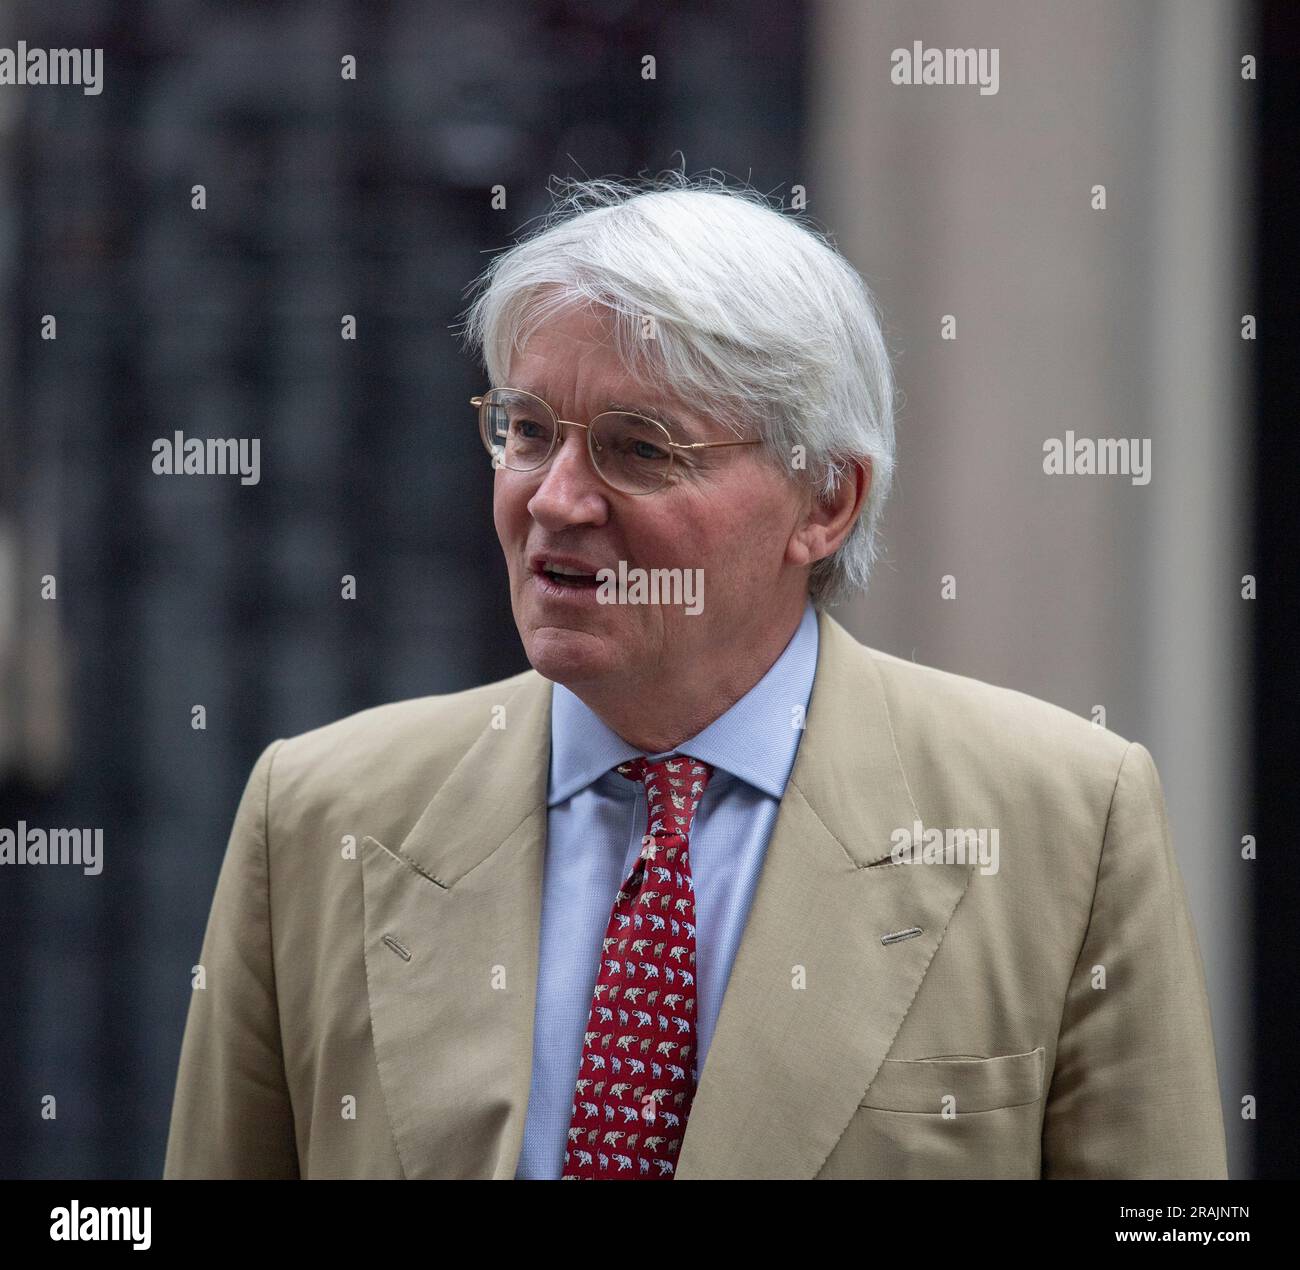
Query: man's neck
[[657, 717]]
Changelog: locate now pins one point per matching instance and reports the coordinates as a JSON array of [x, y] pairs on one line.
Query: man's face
[[726, 511]]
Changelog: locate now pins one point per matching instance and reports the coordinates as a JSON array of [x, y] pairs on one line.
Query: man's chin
[[568, 656]]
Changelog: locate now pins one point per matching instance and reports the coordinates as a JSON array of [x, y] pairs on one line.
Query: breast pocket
[[948, 1117]]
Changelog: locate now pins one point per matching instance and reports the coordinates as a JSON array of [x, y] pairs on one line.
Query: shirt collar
[[755, 740]]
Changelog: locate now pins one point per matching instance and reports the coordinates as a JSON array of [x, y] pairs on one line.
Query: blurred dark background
[[373, 197]]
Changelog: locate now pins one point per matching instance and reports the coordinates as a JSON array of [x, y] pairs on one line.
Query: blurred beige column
[[1088, 591]]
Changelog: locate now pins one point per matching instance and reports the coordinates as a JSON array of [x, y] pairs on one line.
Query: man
[[459, 936]]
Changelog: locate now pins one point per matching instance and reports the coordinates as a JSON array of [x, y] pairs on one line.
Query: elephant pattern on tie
[[637, 1077]]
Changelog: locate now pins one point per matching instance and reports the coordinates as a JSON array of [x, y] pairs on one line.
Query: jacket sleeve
[[1135, 1090], [232, 1116]]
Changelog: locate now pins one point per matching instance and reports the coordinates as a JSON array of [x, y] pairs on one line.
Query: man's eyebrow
[[676, 426], [671, 422]]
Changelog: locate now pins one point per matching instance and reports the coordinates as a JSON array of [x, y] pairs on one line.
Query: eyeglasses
[[631, 453]]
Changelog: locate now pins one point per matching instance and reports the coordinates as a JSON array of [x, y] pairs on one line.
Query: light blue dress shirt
[[595, 822]]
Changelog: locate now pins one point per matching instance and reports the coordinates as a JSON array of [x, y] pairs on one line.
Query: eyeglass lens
[[631, 453]]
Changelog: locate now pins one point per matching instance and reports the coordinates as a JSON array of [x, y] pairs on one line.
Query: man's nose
[[571, 492]]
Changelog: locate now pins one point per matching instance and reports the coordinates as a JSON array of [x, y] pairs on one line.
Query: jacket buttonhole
[[403, 952]]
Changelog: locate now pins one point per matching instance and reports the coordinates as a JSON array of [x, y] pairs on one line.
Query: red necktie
[[636, 1081]]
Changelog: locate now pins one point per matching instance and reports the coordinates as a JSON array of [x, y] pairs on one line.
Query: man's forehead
[[578, 356]]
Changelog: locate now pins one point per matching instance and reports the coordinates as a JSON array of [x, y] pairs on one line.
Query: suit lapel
[[789, 1064], [452, 917]]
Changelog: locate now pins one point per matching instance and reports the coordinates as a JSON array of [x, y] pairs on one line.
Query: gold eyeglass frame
[[557, 438]]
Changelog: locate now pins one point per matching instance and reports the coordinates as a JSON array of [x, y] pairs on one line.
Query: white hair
[[753, 310]]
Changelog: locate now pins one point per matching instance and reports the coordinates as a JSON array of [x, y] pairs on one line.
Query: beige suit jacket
[[370, 961]]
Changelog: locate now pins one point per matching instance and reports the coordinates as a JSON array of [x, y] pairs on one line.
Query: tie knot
[[677, 771], [673, 788]]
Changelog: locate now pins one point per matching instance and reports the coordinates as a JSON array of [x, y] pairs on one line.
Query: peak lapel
[[815, 998], [451, 933]]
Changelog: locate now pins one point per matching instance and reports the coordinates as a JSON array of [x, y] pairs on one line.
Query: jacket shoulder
[[416, 742], [936, 710]]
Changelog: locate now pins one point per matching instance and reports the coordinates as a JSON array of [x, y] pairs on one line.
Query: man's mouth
[[564, 575]]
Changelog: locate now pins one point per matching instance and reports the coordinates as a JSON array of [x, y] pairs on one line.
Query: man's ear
[[828, 520]]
